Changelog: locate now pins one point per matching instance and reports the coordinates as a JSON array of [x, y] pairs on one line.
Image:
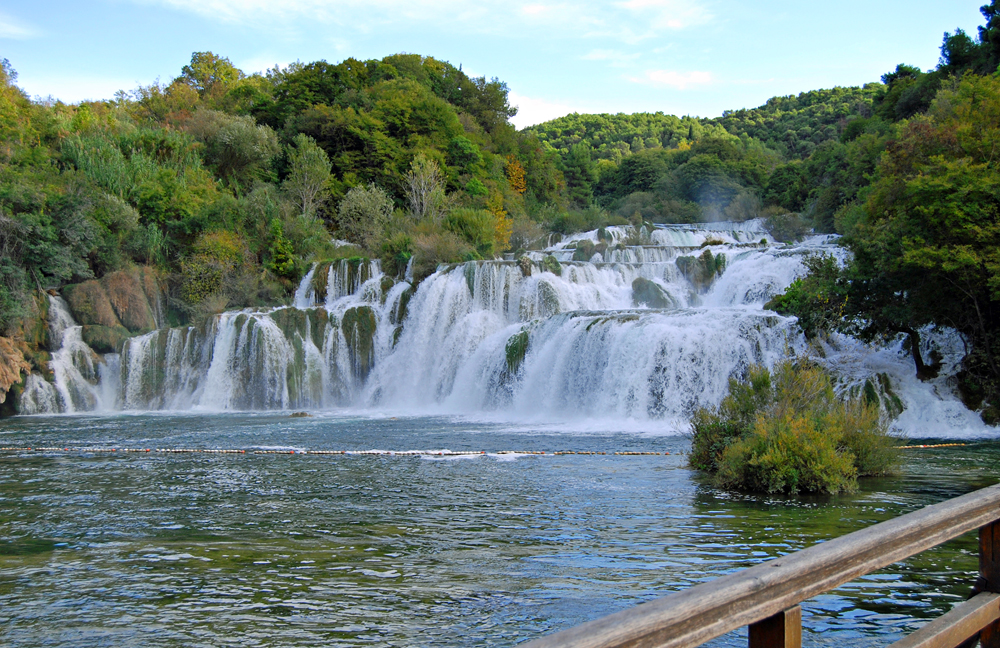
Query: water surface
[[115, 549]]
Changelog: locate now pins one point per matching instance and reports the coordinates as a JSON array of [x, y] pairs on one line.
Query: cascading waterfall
[[652, 325], [81, 379]]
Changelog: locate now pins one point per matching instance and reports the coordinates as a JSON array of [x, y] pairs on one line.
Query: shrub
[[476, 226], [788, 432], [433, 247], [396, 253], [363, 214]]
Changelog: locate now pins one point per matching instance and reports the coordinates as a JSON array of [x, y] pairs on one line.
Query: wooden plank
[[989, 569], [955, 626], [693, 616], [783, 630]]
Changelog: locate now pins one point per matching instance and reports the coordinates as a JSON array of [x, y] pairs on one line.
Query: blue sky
[[696, 57]]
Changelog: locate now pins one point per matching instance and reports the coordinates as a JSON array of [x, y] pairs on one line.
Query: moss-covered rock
[[551, 264], [399, 313], [358, 325], [517, 347], [702, 270], [586, 249], [319, 281], [651, 294], [524, 263], [132, 299], [385, 286], [548, 300], [877, 392], [105, 339], [469, 271], [319, 320], [291, 321]]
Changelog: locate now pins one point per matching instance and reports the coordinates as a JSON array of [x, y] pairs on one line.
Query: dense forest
[[224, 187]]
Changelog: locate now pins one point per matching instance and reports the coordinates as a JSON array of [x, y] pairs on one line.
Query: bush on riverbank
[[787, 432]]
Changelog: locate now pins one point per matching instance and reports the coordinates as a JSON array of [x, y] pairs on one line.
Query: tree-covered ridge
[[795, 125], [614, 137], [792, 125], [787, 154], [230, 185]]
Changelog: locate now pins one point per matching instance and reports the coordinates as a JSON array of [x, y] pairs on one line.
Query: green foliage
[[208, 73], [236, 147], [281, 252], [397, 250], [785, 226], [464, 155], [787, 431], [308, 174], [614, 137], [818, 300], [476, 227], [795, 125], [363, 215], [434, 246], [475, 187], [215, 261]]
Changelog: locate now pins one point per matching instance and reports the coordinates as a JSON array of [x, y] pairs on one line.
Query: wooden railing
[[766, 597]]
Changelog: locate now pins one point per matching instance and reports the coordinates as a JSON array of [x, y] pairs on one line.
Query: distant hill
[[795, 125], [792, 125], [613, 137]]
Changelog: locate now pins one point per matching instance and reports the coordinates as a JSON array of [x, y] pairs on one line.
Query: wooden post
[[783, 630], [989, 570]]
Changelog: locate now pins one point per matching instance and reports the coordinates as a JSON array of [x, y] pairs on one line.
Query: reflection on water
[[296, 550]]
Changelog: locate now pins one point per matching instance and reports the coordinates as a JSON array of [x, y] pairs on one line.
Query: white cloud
[[535, 111], [674, 79], [14, 29], [669, 14], [630, 21], [613, 57]]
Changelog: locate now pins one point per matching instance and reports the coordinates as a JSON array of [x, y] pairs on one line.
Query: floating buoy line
[[389, 453], [381, 453], [936, 445]]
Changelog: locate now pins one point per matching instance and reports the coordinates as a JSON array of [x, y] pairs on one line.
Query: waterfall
[[650, 326], [79, 376]]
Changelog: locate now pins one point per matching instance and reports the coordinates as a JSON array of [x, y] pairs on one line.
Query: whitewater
[[651, 326]]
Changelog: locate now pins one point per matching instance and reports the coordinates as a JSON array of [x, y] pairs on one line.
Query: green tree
[[424, 188], [236, 147], [578, 169], [309, 171], [210, 74], [363, 215]]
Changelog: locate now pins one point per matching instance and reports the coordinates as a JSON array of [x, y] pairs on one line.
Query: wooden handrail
[[766, 596]]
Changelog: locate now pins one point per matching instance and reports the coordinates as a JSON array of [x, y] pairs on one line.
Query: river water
[[154, 549], [555, 352]]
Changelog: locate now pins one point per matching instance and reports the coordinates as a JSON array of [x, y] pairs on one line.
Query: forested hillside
[[220, 188], [229, 185], [918, 183]]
